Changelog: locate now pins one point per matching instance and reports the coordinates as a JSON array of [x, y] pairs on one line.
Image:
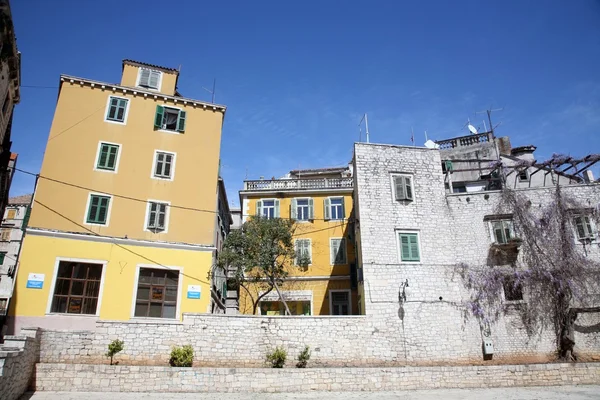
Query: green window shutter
[[224, 290], [258, 208], [327, 208], [414, 247], [112, 157], [399, 187], [333, 245], [103, 156], [93, 210], [276, 214], [181, 121], [311, 209], [98, 211], [152, 215], [294, 209], [588, 225], [2, 254], [408, 188], [103, 210], [112, 109], [158, 118], [26, 218], [343, 210], [404, 247], [162, 215]]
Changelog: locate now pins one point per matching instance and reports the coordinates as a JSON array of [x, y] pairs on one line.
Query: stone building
[[413, 230]]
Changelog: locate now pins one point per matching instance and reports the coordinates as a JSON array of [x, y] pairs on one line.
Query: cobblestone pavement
[[531, 393]]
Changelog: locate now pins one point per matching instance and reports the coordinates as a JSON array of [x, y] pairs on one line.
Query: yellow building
[[320, 201], [125, 218]]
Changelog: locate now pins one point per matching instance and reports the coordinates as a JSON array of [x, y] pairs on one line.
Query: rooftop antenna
[[489, 115], [212, 92], [364, 117]]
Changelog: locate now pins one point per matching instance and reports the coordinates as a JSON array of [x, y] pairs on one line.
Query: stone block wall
[[18, 356]]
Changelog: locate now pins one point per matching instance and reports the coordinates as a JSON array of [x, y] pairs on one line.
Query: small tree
[[260, 253], [114, 347]]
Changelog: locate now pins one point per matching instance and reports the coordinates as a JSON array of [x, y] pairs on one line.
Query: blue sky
[[297, 76]]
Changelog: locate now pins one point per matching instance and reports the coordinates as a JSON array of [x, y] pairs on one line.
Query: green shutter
[[276, 214], [327, 208], [103, 156], [181, 121], [158, 118], [414, 247], [2, 257], [399, 187], [405, 247], [408, 188], [294, 209], [224, 290], [98, 211], [311, 209], [112, 157], [343, 210], [26, 219], [258, 208]]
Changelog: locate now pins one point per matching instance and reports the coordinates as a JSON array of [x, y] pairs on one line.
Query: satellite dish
[[430, 144], [473, 129]]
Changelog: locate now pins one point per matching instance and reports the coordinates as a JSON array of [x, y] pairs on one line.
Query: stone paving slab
[[529, 393]]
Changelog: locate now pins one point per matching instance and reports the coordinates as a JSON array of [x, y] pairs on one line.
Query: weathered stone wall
[[18, 356], [104, 378]]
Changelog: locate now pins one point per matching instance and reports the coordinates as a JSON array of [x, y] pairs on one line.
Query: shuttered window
[[116, 109], [409, 247], [503, 231], [584, 227], [157, 216], [334, 208], [403, 189], [6, 234], [163, 167], [107, 159], [303, 252], [303, 209], [149, 78], [98, 209], [337, 251], [170, 119], [268, 208]]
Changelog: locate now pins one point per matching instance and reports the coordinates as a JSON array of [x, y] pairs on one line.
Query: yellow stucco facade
[[129, 166], [308, 290]]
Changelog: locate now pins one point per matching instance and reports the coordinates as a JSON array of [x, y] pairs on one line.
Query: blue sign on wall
[[35, 281], [193, 291]]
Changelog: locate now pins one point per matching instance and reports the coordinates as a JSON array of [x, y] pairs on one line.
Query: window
[[157, 293], [5, 235], [11, 214], [107, 156], [2, 256], [584, 227], [409, 247], [334, 208], [3, 306], [503, 231], [170, 119], [157, 216], [267, 208], [149, 78], [402, 187], [303, 252], [302, 209], [513, 291], [163, 165], [523, 176], [98, 209], [117, 108], [337, 255], [76, 288], [300, 307], [340, 302]]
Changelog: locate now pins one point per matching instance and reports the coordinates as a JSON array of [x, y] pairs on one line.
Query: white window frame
[[117, 161], [124, 115], [332, 256], [349, 301], [262, 207], [139, 75], [100, 289], [309, 219], [167, 215], [174, 132], [154, 162], [330, 213], [284, 292], [393, 186], [493, 233], [526, 172], [309, 250], [179, 291], [398, 232], [592, 235], [87, 208]]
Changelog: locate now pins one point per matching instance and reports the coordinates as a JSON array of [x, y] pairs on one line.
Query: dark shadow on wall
[[587, 329]]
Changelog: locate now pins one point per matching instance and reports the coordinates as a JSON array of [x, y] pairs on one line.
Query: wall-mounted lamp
[[404, 291]]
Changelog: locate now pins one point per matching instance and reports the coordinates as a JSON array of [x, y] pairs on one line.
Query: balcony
[[299, 184], [465, 141]]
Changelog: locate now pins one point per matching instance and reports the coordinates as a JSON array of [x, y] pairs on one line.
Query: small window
[[116, 109], [170, 119], [403, 189], [76, 288], [268, 208], [11, 214], [2, 256], [3, 306], [157, 293], [5, 236], [149, 78], [524, 176], [334, 208], [338, 251], [302, 209], [409, 247], [157, 216], [303, 252], [340, 303], [513, 291], [98, 209], [584, 227], [107, 159], [163, 166], [503, 231]]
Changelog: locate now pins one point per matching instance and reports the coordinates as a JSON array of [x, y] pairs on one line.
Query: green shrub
[[303, 357], [182, 356], [277, 357], [114, 347]]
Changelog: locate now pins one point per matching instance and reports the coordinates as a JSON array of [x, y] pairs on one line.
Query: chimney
[[588, 176], [524, 152], [504, 145]]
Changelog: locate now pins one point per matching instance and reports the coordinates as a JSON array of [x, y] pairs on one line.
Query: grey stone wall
[[18, 356], [104, 378]]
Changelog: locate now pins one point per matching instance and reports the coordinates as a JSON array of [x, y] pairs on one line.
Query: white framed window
[[170, 119], [267, 208], [117, 109], [523, 176], [339, 302], [334, 208], [337, 251], [107, 157], [303, 248], [409, 246], [502, 230], [149, 78], [402, 187], [157, 292], [164, 165], [157, 216], [98, 209], [584, 227], [303, 209]]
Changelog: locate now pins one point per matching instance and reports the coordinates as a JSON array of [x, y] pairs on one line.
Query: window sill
[[113, 171], [72, 315], [95, 224], [115, 122], [170, 131], [160, 178]]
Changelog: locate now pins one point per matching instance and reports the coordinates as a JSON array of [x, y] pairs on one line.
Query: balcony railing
[[299, 184], [465, 141]]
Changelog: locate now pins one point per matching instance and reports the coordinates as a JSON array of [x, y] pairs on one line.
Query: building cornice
[[116, 240], [141, 92]]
